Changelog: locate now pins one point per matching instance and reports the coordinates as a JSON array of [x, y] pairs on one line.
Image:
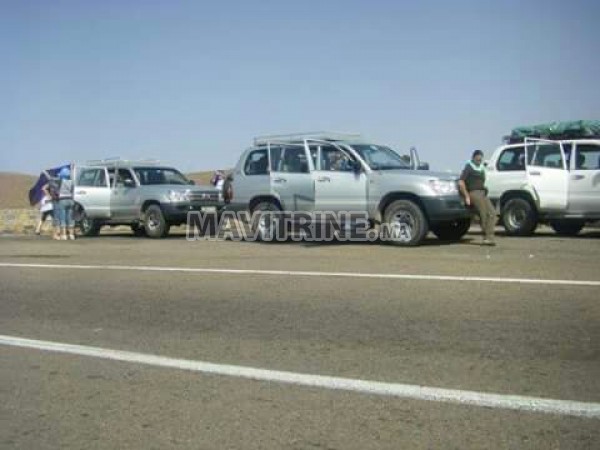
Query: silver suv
[[330, 172], [145, 195]]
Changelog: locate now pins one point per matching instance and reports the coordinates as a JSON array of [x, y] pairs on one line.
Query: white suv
[[553, 181]]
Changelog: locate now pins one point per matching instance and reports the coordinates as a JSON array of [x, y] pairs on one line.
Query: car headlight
[[179, 196], [444, 187]]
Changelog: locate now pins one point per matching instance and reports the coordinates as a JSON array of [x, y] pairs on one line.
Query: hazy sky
[[192, 82]]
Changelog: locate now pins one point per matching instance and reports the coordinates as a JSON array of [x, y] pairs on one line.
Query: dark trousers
[[486, 211]]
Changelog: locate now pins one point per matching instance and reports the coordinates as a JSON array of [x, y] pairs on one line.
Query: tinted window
[[257, 163], [511, 159], [160, 175], [293, 160], [587, 157], [276, 153], [92, 178], [124, 175]]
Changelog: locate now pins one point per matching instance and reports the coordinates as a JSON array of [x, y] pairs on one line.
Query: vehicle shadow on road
[[550, 234]]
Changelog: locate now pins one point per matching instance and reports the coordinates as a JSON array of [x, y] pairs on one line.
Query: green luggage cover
[[577, 129]]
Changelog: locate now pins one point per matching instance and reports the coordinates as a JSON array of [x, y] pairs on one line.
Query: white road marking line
[[302, 273], [408, 391]]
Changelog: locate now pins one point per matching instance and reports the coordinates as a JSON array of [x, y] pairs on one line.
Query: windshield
[[150, 176], [379, 157]]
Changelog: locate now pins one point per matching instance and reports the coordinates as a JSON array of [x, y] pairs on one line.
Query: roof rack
[[122, 162], [299, 137]]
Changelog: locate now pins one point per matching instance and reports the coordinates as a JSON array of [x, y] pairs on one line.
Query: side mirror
[[129, 183], [191, 182], [423, 166]]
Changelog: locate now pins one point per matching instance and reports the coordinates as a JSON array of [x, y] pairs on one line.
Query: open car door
[[547, 173], [92, 191]]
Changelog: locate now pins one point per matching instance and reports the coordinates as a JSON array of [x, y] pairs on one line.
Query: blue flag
[[35, 193]]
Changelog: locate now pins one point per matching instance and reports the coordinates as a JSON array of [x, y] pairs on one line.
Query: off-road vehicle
[[554, 181], [332, 172], [145, 195]]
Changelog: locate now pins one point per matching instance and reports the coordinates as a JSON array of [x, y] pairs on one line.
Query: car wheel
[[567, 227], [264, 221], [155, 224], [88, 227], [452, 231], [404, 224], [519, 217]]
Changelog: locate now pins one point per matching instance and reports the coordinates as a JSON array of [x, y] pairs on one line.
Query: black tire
[[155, 224], [452, 231], [88, 227], [138, 230], [264, 222], [519, 217], [405, 224], [567, 227]]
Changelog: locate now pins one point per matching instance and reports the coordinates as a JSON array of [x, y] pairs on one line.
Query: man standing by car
[[472, 187]]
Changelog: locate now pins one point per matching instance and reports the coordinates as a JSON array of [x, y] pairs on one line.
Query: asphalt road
[[538, 339]]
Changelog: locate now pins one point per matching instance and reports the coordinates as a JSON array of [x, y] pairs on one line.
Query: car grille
[[200, 196]]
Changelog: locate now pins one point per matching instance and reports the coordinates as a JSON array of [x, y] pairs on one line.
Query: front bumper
[[177, 212], [445, 208]]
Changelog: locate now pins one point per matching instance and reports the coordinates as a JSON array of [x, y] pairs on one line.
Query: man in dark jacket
[[472, 187]]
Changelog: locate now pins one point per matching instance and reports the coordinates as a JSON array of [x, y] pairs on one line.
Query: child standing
[[46, 210]]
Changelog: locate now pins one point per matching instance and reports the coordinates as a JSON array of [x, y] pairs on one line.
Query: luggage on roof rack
[[578, 129]]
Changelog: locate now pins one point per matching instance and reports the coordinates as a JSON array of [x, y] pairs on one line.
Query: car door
[[506, 172], [251, 178], [338, 186], [125, 199], [547, 173], [584, 180], [291, 178], [92, 191]]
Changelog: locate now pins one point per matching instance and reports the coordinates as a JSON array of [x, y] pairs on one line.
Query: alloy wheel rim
[[402, 226]]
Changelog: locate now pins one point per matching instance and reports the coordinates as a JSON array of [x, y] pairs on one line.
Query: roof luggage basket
[[300, 137], [122, 162]]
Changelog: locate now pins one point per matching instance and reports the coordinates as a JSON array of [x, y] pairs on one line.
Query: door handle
[[324, 180], [578, 177], [81, 192], [279, 180], [536, 173]]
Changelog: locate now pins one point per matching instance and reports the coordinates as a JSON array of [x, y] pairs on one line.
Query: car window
[[547, 155], [257, 163], [511, 159], [160, 175], [587, 157], [333, 159], [124, 175], [92, 178], [276, 153], [293, 159]]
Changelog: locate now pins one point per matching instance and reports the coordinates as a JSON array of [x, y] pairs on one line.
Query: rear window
[[257, 163], [92, 178], [511, 160]]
